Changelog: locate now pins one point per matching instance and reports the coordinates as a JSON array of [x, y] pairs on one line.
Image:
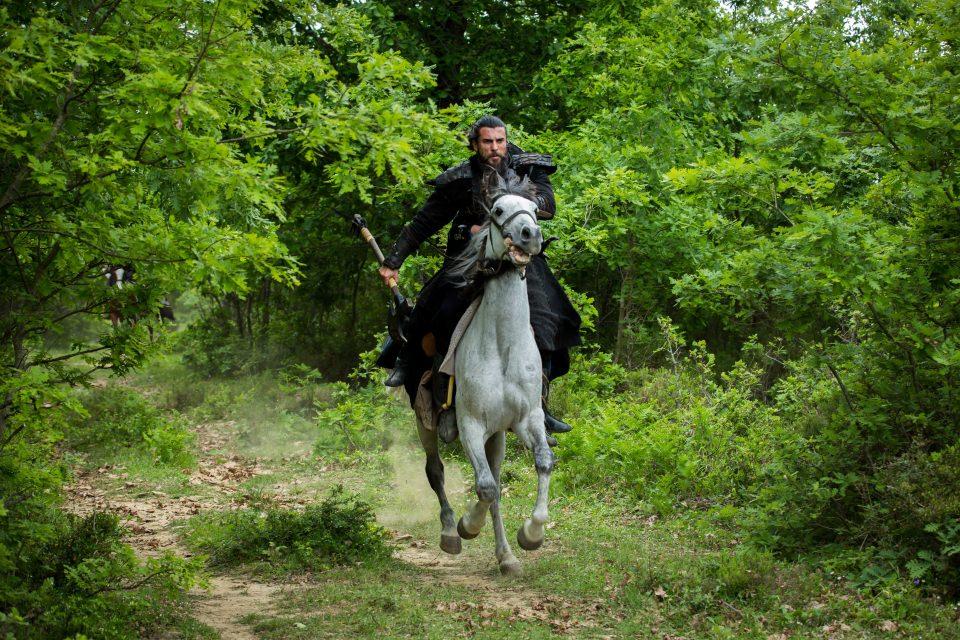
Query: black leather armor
[[457, 197]]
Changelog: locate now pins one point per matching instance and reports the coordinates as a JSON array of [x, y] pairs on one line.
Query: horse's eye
[[497, 211]]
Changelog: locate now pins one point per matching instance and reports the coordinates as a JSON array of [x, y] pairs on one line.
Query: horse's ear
[[526, 186], [493, 184]]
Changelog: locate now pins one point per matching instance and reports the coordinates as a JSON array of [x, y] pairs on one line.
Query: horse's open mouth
[[518, 256]]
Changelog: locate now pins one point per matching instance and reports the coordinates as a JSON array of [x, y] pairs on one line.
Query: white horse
[[498, 375]]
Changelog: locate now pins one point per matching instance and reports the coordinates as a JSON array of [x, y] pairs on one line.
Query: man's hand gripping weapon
[[400, 311]]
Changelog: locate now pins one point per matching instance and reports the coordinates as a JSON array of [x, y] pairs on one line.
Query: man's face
[[491, 145]]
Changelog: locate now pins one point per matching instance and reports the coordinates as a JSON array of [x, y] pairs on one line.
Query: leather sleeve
[[538, 167], [545, 201], [439, 209], [404, 246]]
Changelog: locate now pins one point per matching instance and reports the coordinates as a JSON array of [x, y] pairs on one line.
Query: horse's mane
[[465, 267], [494, 186]]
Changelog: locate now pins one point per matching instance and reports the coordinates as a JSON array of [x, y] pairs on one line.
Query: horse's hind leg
[[530, 535], [495, 449], [449, 539]]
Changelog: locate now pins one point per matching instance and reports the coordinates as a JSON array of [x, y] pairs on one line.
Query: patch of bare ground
[[494, 596], [231, 598], [148, 516]]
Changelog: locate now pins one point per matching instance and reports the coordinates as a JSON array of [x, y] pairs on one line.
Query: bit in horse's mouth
[[518, 256]]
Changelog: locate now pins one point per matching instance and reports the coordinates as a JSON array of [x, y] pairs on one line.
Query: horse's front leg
[[530, 535], [472, 439], [449, 539], [495, 449]]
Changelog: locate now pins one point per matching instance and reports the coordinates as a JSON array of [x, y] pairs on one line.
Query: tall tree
[[145, 134]]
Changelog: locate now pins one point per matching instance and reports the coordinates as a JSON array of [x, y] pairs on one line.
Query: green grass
[[391, 599], [612, 566]]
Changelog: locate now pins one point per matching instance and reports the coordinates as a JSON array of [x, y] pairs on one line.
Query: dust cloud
[[413, 501]]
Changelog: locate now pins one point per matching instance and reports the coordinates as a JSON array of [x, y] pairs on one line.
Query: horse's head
[[514, 232], [510, 232]]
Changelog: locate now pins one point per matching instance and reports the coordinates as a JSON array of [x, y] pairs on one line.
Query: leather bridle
[[494, 266]]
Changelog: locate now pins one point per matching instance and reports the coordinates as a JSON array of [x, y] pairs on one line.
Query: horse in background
[[498, 374], [120, 277]]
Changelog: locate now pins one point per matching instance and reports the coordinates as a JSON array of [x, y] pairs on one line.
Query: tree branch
[[274, 132], [842, 97], [95, 247], [67, 356]]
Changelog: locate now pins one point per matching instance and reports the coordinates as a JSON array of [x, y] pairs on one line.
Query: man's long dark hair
[[473, 133]]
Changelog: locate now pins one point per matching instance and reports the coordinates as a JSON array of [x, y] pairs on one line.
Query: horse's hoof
[[462, 530], [451, 544], [526, 543], [511, 568]]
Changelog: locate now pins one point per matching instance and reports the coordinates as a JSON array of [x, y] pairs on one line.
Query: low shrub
[[669, 438], [361, 418], [121, 418], [74, 577], [340, 529]]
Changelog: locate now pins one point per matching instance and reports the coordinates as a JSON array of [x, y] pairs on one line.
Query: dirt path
[[150, 514]]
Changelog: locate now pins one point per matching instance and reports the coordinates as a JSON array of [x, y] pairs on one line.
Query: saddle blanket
[[448, 366]]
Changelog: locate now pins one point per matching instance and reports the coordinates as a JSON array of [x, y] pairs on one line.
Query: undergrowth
[[786, 466], [75, 578], [337, 530], [119, 418], [65, 576]]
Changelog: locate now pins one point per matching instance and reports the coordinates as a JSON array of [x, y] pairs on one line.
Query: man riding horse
[[458, 197]]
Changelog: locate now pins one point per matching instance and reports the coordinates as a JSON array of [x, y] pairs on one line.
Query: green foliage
[[670, 438], [79, 579], [339, 529], [507, 43], [120, 418], [786, 473], [360, 419]]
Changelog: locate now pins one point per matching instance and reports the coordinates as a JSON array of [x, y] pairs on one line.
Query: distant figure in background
[[117, 276], [121, 276]]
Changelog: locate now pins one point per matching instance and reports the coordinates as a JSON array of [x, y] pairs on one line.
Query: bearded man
[[458, 197]]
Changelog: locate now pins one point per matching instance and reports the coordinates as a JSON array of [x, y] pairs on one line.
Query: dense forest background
[[758, 219]]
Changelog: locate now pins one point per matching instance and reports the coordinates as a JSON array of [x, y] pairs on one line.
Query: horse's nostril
[[525, 233]]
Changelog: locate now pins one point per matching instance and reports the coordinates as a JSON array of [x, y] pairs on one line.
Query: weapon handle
[[394, 288], [373, 245]]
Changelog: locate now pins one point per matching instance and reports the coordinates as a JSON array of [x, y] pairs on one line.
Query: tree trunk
[[448, 71], [620, 351]]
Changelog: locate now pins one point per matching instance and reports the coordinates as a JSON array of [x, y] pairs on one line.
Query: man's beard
[[501, 167]]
